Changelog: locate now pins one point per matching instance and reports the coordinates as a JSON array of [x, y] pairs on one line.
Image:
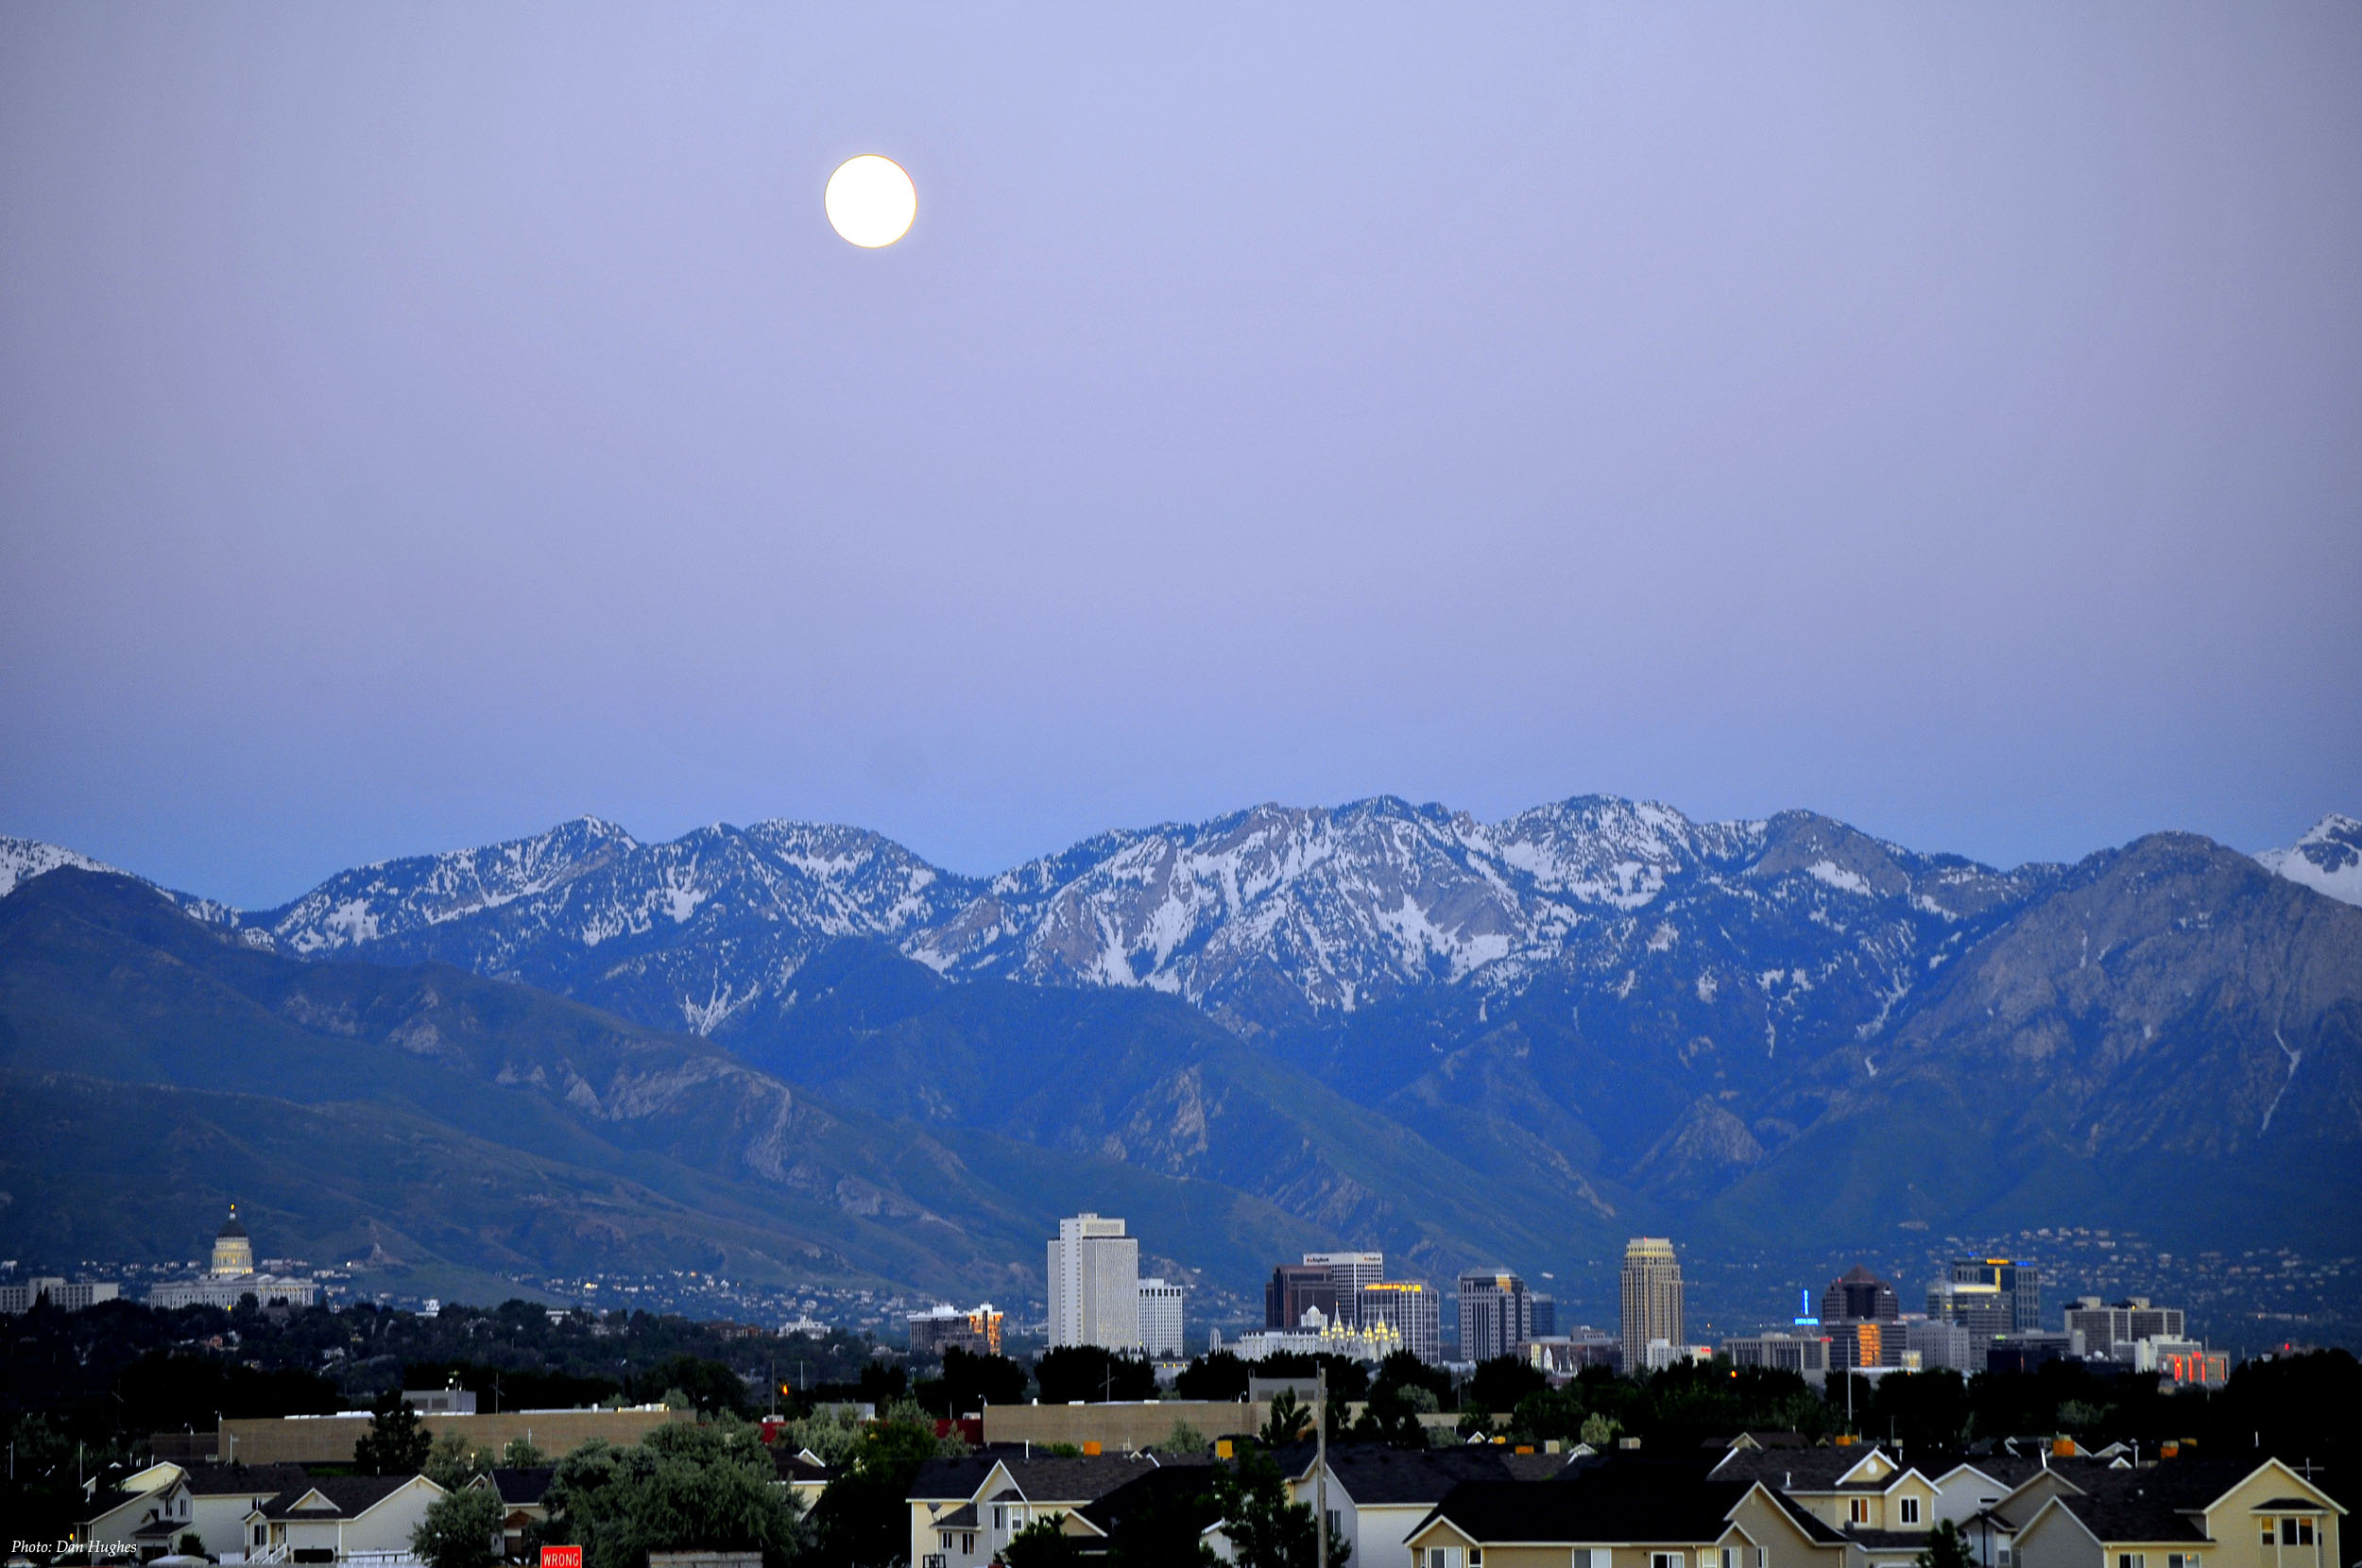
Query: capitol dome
[[233, 1251]]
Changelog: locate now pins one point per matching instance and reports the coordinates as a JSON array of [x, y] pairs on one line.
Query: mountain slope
[[1383, 1026], [2174, 1035], [1146, 1080], [101, 978], [2328, 859]]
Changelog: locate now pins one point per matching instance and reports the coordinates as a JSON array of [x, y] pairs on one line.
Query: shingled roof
[[1372, 1475], [345, 1496], [1634, 1502], [1795, 1468], [1043, 1478], [521, 1486], [229, 1480], [2166, 1503]]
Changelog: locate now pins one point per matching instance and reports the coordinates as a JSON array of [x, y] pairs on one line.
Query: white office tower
[[1160, 1319], [1095, 1285], [1349, 1273]]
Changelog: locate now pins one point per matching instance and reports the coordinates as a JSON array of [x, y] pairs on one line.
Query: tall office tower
[[1544, 1314], [1496, 1314], [1977, 1306], [1413, 1311], [1161, 1318], [1291, 1288], [1095, 1285], [1349, 1273], [2020, 1282], [1858, 1296], [1652, 1297]]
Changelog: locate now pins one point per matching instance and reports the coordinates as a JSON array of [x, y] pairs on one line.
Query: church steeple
[[234, 1251]]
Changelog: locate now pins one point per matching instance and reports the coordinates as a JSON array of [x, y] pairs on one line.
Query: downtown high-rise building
[[1160, 1319], [1348, 1272], [1094, 1285], [2017, 1282], [1410, 1310], [1496, 1314], [1858, 1296], [1651, 1297], [1295, 1289]]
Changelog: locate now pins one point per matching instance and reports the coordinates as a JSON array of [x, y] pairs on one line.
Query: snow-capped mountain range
[[1386, 1024], [1265, 916], [2327, 859]]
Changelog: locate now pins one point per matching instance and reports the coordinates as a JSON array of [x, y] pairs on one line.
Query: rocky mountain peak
[[2327, 859]]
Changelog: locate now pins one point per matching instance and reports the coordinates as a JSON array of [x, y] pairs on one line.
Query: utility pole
[[1320, 1465]]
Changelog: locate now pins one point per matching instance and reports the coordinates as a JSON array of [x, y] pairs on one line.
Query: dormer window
[[1910, 1510]]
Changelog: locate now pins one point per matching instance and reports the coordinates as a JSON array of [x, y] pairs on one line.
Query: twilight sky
[[419, 423]]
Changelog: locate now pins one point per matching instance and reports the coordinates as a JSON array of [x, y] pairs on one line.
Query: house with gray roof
[[331, 1518]]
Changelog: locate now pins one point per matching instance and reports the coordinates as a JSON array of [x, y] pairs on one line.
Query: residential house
[[331, 1518], [965, 1510], [223, 1495], [1161, 1505], [147, 1510], [2184, 1513], [522, 1491], [804, 1474], [1610, 1514], [1882, 1510], [1377, 1495]]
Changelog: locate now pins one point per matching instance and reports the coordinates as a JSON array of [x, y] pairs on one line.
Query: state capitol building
[[232, 1278]]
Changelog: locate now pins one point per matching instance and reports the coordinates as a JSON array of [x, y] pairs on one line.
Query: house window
[[1476, 1557], [1910, 1510], [2131, 1559], [1667, 1559], [967, 1543], [1857, 1509], [2305, 1532], [2182, 1560], [2268, 1531], [1001, 1516], [1443, 1556]]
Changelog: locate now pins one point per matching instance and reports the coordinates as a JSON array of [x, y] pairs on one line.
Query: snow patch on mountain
[[22, 859], [2327, 859]]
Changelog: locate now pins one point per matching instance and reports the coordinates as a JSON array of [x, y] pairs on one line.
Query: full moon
[[870, 201]]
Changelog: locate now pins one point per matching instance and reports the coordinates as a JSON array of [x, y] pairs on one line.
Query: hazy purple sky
[[419, 423]]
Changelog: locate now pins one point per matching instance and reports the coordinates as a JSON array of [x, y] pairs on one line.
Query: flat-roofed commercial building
[[1161, 1318], [64, 1294], [2018, 1282], [976, 1331], [1410, 1309], [1295, 1289], [1805, 1355], [1496, 1314], [1348, 1272], [2106, 1325]]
